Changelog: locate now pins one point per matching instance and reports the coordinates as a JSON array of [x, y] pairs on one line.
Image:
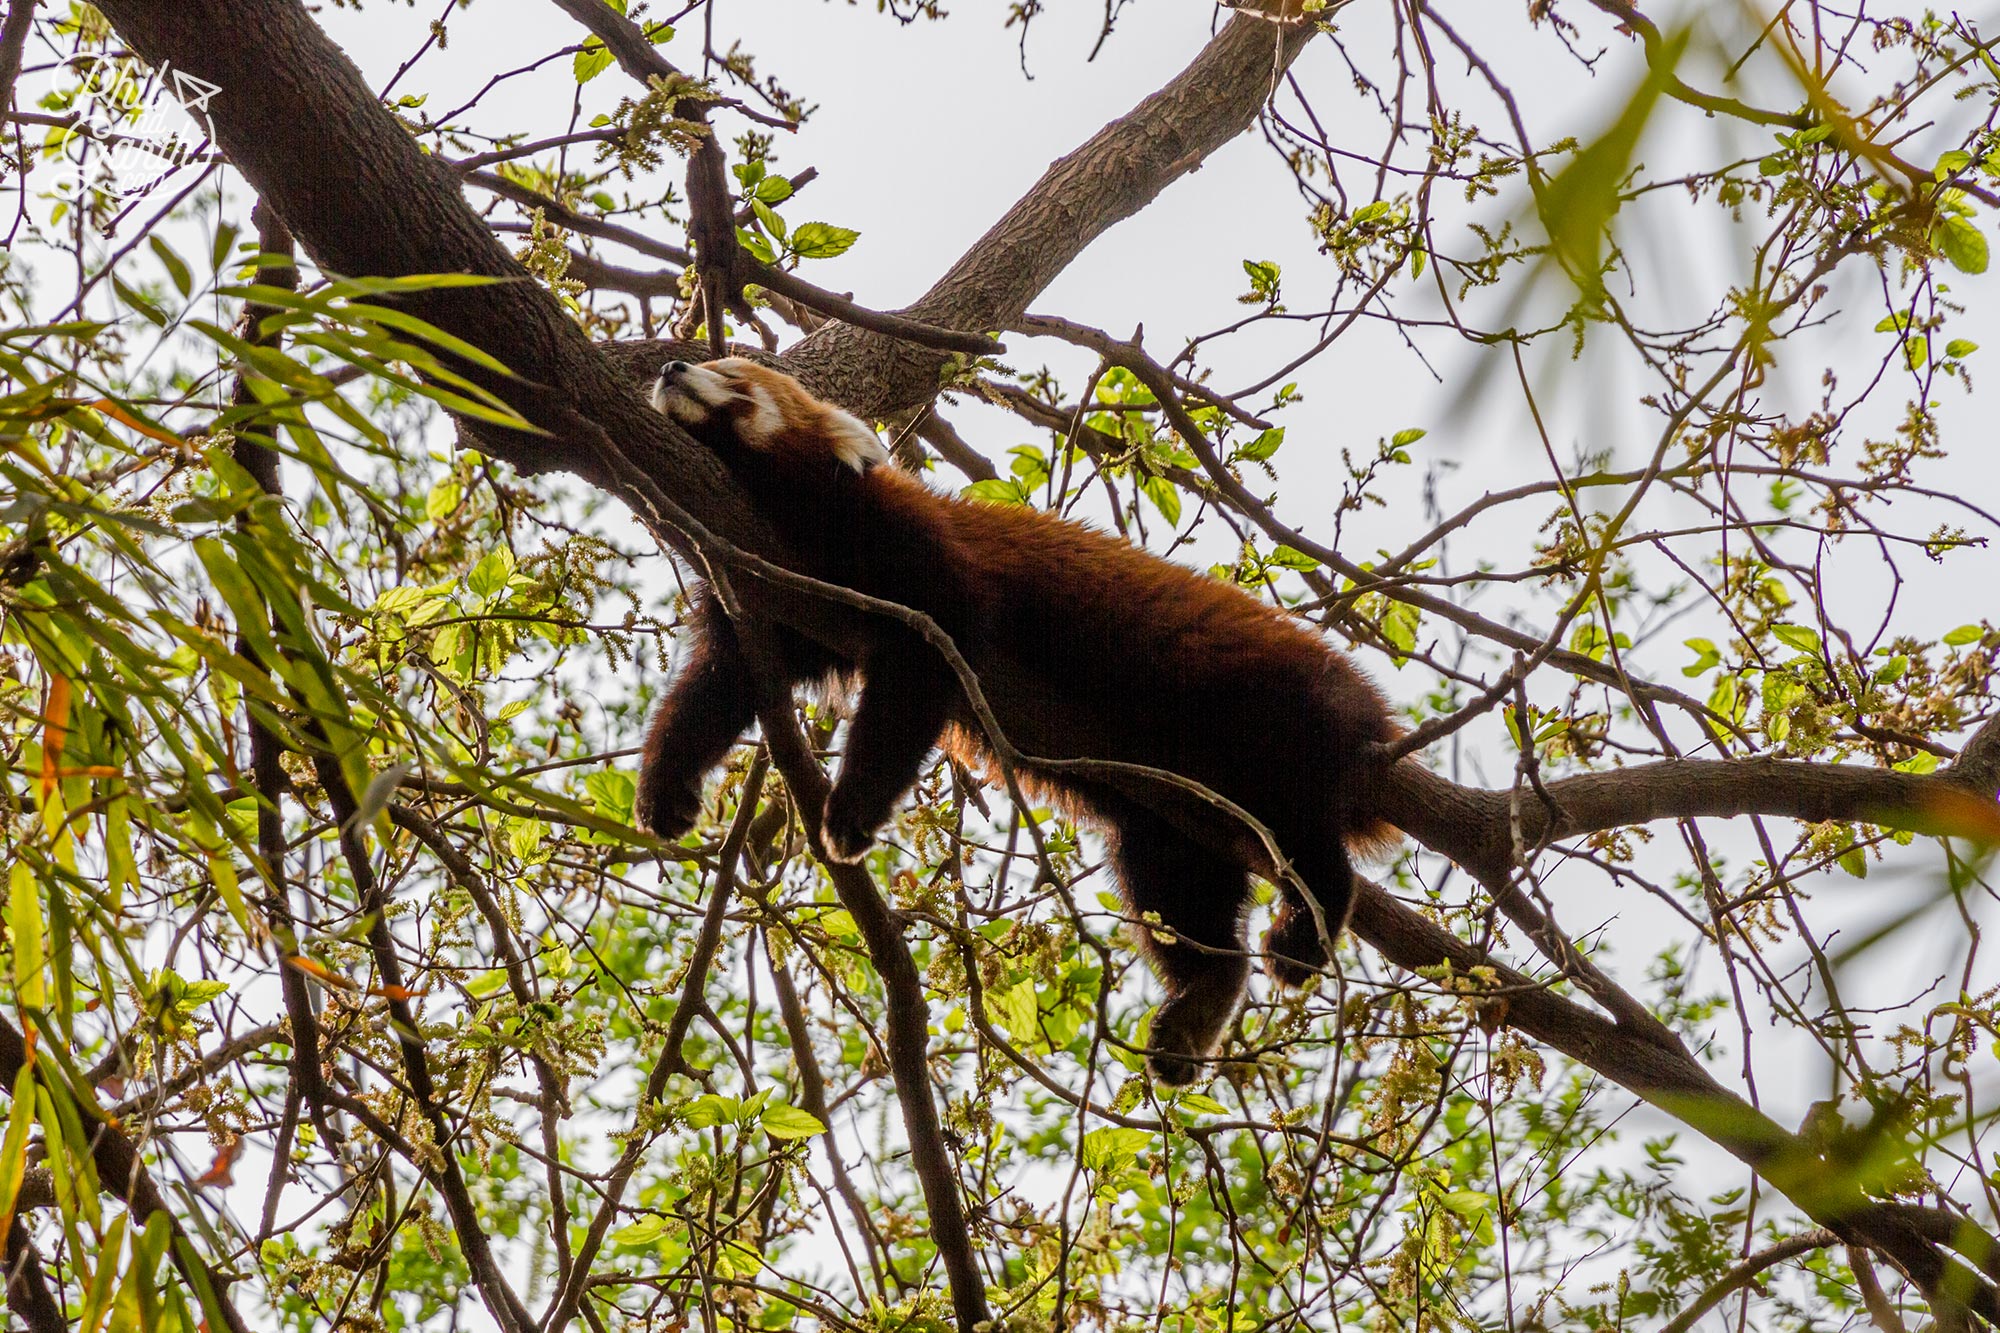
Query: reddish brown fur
[[1085, 647]]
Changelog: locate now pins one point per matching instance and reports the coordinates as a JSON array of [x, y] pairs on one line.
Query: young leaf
[[822, 240], [789, 1122]]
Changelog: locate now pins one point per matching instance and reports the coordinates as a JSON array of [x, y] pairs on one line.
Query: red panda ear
[[853, 443]]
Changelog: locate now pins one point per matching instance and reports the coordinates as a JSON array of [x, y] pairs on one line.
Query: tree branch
[[293, 99], [1471, 826], [902, 987], [122, 1172], [1121, 170], [501, 1302], [13, 44], [267, 772], [1746, 1272], [28, 1292], [1670, 1079]]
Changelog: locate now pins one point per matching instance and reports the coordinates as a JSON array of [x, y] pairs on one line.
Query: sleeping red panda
[[1084, 646]]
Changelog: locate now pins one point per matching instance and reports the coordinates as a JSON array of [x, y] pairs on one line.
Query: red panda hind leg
[[1295, 951], [1199, 897]]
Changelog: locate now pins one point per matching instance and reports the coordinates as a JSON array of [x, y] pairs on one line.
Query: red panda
[[1084, 646]]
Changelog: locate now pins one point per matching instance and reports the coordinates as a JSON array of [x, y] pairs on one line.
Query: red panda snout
[[763, 409]]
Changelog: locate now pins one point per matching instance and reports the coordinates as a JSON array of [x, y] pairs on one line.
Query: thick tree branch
[[13, 44], [28, 1293], [1472, 827], [903, 989], [267, 772], [1121, 170]]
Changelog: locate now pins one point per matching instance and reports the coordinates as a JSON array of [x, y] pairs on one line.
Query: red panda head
[[763, 410]]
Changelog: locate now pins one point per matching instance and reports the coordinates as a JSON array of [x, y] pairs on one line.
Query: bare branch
[[1745, 1273]]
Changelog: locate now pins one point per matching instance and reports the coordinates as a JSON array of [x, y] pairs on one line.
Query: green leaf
[[1015, 1009], [773, 190], [1923, 761], [1965, 634], [772, 222], [443, 500], [199, 993], [822, 240], [755, 243], [1855, 862], [713, 1109], [487, 983], [1264, 445], [1961, 242], [997, 490], [13, 1151], [1264, 276], [1578, 204], [1706, 657], [1399, 626], [1284, 557], [642, 1232], [402, 599], [591, 61], [789, 1122], [146, 308], [24, 929], [1166, 498], [177, 268], [1113, 1147], [524, 837], [1195, 1101], [612, 792], [490, 575], [1407, 437], [1796, 636], [1960, 348]]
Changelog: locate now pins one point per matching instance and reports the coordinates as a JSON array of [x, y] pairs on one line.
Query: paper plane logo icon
[[193, 93]]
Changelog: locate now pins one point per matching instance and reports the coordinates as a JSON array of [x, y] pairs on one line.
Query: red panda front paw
[[1176, 1059], [668, 810], [846, 835]]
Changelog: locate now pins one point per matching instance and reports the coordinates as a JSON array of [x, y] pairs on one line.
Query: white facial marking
[[692, 396], [854, 444], [766, 422]]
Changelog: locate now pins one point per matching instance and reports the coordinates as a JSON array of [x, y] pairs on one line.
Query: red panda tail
[[1374, 840]]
